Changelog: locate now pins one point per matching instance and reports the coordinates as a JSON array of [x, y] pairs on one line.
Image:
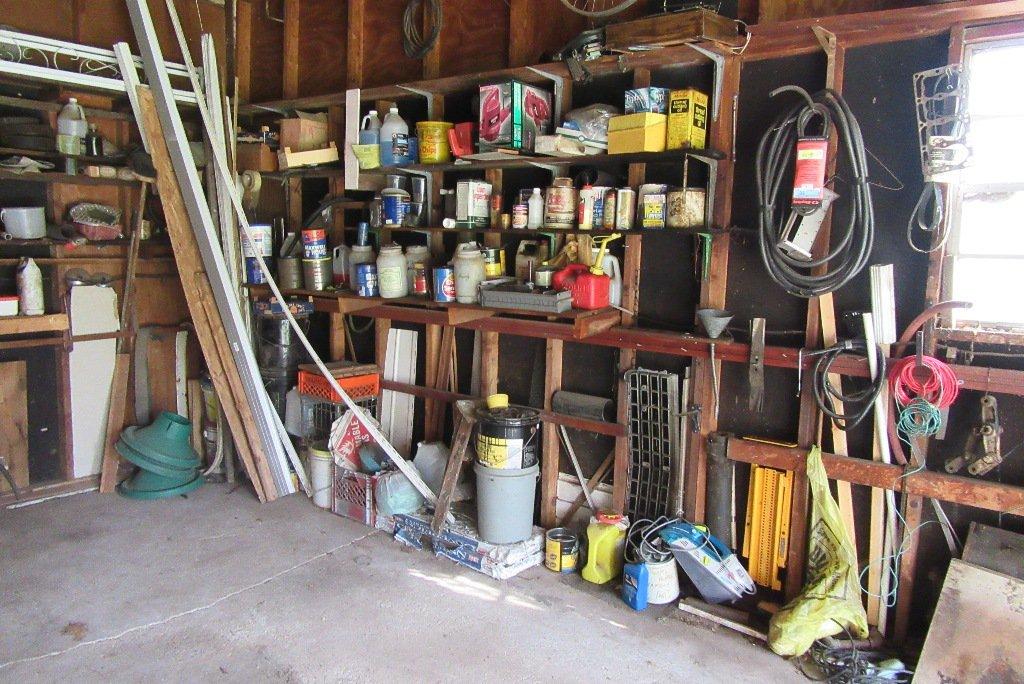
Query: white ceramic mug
[[24, 223]]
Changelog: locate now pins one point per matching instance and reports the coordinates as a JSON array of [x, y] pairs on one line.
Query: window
[[985, 256]]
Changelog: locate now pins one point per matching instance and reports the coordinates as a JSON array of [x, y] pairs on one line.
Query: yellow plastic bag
[[830, 600]]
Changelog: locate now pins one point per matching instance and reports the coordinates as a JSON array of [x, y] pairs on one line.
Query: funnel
[[714, 321]]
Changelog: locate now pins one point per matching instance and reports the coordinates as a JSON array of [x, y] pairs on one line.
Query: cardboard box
[[636, 133], [460, 542], [297, 307], [654, 100], [687, 119], [256, 157], [305, 132], [512, 115]]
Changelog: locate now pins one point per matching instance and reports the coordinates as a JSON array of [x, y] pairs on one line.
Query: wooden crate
[[665, 30]]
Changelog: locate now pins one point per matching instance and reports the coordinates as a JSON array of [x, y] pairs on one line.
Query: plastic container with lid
[[359, 254], [434, 148], [417, 254], [71, 128], [394, 139], [369, 129], [535, 211], [470, 271], [508, 437], [392, 272], [339, 265], [606, 541]]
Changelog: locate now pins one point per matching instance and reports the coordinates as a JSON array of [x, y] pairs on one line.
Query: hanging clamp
[[755, 374], [982, 452]]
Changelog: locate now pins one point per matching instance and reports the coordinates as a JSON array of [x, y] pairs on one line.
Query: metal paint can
[[419, 286], [394, 205], [314, 243], [289, 273], [363, 233], [444, 284], [625, 208], [560, 204], [494, 262], [317, 273], [598, 193], [520, 216], [366, 280], [561, 550]]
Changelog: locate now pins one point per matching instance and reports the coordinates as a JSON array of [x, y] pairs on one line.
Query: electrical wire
[[827, 394], [850, 665], [940, 388], [852, 248], [928, 217], [414, 43], [643, 545]]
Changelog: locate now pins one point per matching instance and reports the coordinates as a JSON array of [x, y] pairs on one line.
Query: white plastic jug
[[392, 272], [359, 254], [71, 128], [610, 265], [369, 129], [30, 288], [339, 265], [394, 139], [470, 271]]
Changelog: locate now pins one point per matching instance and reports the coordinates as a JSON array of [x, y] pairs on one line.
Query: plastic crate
[[318, 415], [358, 386], [353, 495]]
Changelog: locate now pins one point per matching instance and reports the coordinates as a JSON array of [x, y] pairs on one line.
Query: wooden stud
[[356, 17], [381, 328], [551, 448], [337, 336], [14, 426], [488, 363], [291, 48], [432, 358]]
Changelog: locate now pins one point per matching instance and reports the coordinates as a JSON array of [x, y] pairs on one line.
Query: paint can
[[494, 262], [520, 216], [314, 243], [560, 204], [289, 273], [609, 216], [366, 280], [395, 203], [317, 273], [444, 284], [561, 550], [507, 437], [262, 244], [419, 287], [625, 208]]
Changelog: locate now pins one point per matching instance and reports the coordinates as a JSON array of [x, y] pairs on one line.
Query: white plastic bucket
[[662, 582], [504, 500], [320, 469]]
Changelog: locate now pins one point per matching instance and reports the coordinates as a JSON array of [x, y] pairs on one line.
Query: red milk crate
[[357, 386], [353, 495]]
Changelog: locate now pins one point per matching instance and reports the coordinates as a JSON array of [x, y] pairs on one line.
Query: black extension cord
[[852, 249], [826, 394], [413, 42]]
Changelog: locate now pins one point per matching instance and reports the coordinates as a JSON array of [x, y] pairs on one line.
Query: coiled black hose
[[413, 43], [826, 394], [852, 243]]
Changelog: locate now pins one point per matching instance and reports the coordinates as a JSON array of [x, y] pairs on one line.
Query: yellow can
[[561, 550], [434, 148]]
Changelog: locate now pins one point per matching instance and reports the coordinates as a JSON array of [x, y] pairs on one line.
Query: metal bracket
[[559, 86], [986, 435], [719, 60], [425, 94], [828, 43], [755, 376], [694, 411]]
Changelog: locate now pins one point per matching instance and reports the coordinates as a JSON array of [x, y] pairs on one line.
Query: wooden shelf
[[583, 323], [544, 232], [55, 107], [530, 161], [26, 325], [63, 178], [307, 172], [115, 160]]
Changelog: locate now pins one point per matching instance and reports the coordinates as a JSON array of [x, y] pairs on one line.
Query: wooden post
[[337, 336], [354, 68], [551, 451], [488, 363], [381, 328], [290, 75], [243, 54], [432, 357]]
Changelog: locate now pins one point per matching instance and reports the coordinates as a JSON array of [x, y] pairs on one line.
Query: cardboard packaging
[[637, 133], [654, 100], [256, 157], [687, 119], [305, 132], [512, 115]]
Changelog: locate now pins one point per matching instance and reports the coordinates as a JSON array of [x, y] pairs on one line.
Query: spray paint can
[[598, 193], [444, 284], [366, 280]]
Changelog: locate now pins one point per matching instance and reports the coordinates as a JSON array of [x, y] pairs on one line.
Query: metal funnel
[[714, 320]]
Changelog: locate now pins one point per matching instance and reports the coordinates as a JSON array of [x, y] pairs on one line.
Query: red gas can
[[591, 291]]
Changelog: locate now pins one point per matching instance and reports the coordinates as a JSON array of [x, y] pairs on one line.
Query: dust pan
[[714, 320]]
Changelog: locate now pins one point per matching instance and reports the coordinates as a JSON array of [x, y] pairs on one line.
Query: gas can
[[606, 537], [591, 291]]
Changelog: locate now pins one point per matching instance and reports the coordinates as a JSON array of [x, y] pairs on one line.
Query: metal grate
[[319, 414], [654, 443]]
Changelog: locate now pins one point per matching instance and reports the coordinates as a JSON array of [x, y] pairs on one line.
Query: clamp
[[986, 436]]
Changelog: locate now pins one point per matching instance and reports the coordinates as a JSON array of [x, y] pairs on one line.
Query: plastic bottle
[[30, 288], [611, 268], [394, 139], [606, 539], [369, 129], [470, 271], [359, 254], [535, 214], [339, 266], [71, 128], [416, 254], [392, 272]]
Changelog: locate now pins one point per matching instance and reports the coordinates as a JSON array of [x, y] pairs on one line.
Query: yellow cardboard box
[[641, 132], [687, 119]]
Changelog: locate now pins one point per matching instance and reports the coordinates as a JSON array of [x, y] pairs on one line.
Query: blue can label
[[253, 273], [394, 207], [366, 280], [444, 284]]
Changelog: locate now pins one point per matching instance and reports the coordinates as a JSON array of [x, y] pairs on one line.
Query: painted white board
[[93, 311]]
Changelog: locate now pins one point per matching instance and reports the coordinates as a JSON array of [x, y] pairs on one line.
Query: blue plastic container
[[635, 581]]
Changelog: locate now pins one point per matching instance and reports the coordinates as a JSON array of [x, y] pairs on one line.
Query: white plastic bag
[[394, 494]]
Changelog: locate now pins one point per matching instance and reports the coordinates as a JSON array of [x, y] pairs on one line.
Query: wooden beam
[[489, 363], [356, 18], [291, 48], [243, 54], [551, 449], [337, 336]]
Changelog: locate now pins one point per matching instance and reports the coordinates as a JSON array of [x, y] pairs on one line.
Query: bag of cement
[[830, 600], [394, 494]]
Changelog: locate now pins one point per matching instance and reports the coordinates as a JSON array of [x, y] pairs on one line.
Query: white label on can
[[262, 238]]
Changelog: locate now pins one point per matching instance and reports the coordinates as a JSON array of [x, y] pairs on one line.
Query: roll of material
[[252, 182], [583, 406], [289, 273], [721, 470]]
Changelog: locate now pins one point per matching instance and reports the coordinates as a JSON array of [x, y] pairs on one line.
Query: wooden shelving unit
[[55, 177], [536, 161], [27, 325]]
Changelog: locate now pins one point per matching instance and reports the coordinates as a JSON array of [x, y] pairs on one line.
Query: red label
[[809, 175], [449, 287]]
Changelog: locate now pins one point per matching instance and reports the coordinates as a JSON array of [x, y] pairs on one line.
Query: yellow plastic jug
[[606, 539]]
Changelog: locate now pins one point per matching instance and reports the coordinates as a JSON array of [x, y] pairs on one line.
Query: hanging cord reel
[[414, 44]]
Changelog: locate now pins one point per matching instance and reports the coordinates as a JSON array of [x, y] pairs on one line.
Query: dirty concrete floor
[[216, 587]]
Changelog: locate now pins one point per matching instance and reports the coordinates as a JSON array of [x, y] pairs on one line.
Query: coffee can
[[444, 284]]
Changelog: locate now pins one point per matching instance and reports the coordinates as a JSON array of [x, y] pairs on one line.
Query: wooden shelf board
[[63, 178], [26, 325], [519, 232]]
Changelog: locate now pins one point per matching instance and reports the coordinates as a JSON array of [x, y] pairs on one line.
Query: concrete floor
[[217, 587]]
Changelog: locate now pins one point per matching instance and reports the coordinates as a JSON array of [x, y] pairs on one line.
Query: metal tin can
[[366, 280], [560, 204], [289, 273], [609, 216], [419, 286], [314, 243], [444, 284], [494, 262], [395, 204], [363, 233], [561, 550], [625, 208], [317, 273], [520, 216], [598, 192]]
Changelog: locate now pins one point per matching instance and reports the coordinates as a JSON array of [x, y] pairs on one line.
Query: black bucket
[[507, 438], [278, 382], [278, 347]]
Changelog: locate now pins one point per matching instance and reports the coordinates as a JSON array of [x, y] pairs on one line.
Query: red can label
[[809, 175]]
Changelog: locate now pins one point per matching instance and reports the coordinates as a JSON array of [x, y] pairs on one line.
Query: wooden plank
[[432, 360], [995, 549], [456, 458], [488, 363], [243, 49], [24, 325], [673, 29], [446, 354], [290, 73], [354, 65], [588, 326], [550, 448], [337, 336], [592, 483], [14, 426], [115, 422]]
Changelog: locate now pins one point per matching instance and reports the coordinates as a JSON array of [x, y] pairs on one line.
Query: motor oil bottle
[[606, 540], [635, 583]]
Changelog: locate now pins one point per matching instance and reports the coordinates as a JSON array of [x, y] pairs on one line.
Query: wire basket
[[353, 495], [318, 415]]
